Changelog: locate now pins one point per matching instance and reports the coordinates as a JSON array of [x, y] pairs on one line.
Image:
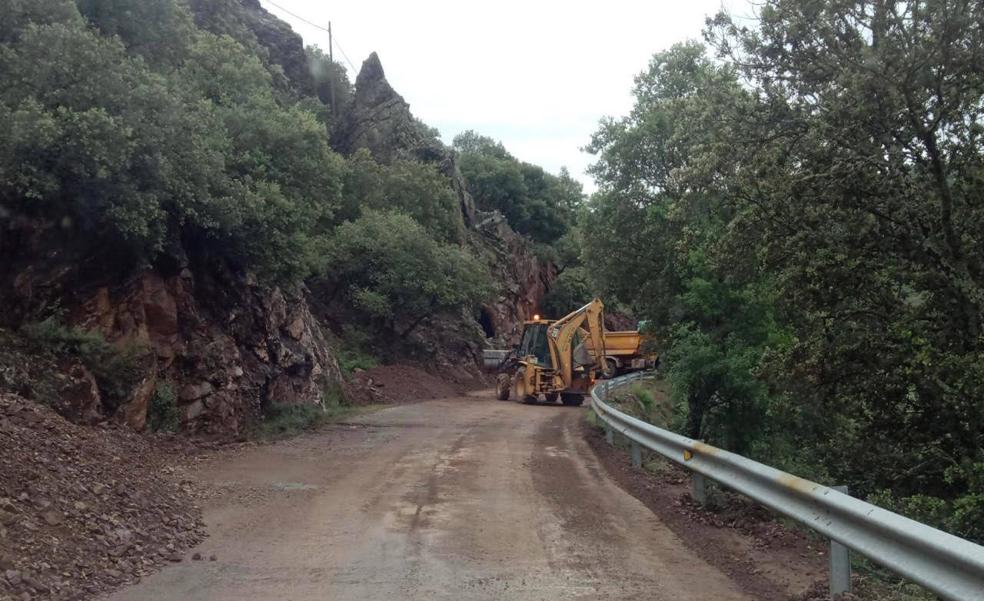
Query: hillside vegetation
[[141, 132], [179, 136], [797, 207]]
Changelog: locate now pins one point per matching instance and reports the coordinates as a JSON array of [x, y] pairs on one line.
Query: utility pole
[[331, 75]]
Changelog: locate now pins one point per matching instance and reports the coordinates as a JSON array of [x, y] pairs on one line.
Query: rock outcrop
[[227, 359], [525, 279], [225, 345], [380, 121]]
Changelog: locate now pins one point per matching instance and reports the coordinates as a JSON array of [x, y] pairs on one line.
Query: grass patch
[[648, 400], [353, 350], [284, 421]]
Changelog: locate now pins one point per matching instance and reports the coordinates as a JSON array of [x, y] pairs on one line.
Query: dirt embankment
[[399, 384], [741, 539], [84, 509]]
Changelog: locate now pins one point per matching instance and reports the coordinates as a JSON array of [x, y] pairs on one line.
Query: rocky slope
[[380, 121], [250, 24], [84, 509], [226, 345], [222, 344]]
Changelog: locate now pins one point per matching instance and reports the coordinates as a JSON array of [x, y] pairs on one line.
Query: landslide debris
[[84, 509], [408, 384]]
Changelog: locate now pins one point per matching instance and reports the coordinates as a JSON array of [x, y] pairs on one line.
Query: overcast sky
[[537, 75]]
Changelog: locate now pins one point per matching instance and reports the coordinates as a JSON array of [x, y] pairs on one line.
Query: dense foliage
[[801, 216], [396, 275], [198, 147], [536, 203], [415, 188], [139, 128]]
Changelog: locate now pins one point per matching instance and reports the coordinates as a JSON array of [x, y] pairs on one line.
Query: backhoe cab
[[553, 360]]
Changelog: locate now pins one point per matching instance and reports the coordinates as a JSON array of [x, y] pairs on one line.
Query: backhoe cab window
[[534, 343]]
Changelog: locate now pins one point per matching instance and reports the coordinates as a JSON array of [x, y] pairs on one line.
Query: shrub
[[163, 414], [395, 275], [116, 368], [350, 360], [286, 420]]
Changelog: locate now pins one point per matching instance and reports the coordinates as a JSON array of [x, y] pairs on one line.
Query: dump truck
[[554, 358], [624, 351]]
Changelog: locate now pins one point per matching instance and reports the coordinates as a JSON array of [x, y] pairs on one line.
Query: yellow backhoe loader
[[553, 360]]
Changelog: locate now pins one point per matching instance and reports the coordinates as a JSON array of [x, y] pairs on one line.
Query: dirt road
[[465, 498]]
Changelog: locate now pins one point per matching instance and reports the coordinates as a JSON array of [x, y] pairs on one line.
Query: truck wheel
[[551, 397], [519, 384], [502, 386], [572, 400], [611, 369]]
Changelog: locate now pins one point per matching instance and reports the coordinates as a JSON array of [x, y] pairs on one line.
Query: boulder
[[78, 397], [135, 411]]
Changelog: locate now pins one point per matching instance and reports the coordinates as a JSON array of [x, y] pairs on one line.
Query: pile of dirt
[[84, 509], [406, 384]]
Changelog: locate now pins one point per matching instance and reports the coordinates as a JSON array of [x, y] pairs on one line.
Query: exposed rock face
[[229, 358], [526, 280], [379, 118], [226, 345], [380, 121]]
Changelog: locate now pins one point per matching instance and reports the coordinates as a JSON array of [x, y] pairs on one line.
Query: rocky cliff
[[224, 344], [380, 121]]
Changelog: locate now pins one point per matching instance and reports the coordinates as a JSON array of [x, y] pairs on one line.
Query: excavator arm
[[561, 336]]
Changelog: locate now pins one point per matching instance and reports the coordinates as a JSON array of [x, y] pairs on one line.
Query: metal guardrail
[[947, 565]]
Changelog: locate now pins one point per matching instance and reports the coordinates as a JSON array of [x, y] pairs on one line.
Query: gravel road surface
[[462, 498]]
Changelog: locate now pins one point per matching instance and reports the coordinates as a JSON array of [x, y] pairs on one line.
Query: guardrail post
[[698, 488], [609, 436], [840, 563], [636, 454]]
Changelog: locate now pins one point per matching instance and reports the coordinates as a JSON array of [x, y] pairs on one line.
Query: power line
[[354, 70], [316, 26], [299, 17]]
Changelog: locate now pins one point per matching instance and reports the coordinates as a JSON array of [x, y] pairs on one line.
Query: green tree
[[654, 228], [534, 202], [570, 291], [396, 276], [860, 187], [160, 31], [801, 220], [144, 157], [415, 188]]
